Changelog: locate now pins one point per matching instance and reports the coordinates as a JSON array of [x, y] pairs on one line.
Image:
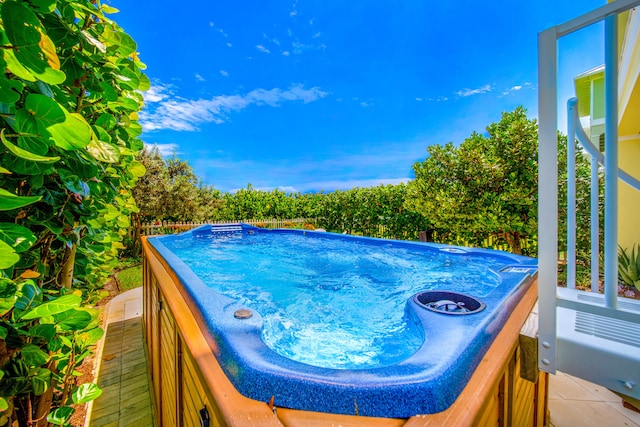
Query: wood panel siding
[[169, 362]]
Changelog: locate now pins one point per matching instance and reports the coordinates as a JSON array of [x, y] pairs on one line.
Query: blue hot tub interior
[[425, 381]]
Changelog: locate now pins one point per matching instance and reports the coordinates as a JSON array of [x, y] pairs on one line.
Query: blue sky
[[325, 95]]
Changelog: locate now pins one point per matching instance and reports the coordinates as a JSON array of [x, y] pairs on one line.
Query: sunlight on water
[[331, 303]]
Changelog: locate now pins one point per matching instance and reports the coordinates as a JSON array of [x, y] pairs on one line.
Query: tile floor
[[574, 402]]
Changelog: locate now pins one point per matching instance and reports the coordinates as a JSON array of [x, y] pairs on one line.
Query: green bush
[[69, 99]]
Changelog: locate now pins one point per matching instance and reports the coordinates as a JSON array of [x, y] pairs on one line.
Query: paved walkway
[[126, 400], [575, 402], [122, 370]]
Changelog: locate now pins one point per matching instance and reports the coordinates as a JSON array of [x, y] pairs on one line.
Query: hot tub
[[452, 321]]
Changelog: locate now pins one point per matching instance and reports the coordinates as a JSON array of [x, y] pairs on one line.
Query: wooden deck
[[123, 373]]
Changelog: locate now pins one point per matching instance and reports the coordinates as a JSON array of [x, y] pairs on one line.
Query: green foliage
[[487, 188], [375, 211], [69, 98], [170, 190], [629, 266]]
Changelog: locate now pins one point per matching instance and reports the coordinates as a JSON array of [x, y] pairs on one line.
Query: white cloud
[[298, 47], [316, 35], [286, 53], [165, 150], [261, 48], [180, 114], [366, 104], [211, 24], [468, 92], [418, 99], [221, 31], [276, 41], [229, 45], [517, 88], [156, 93], [224, 73], [438, 99], [199, 78]]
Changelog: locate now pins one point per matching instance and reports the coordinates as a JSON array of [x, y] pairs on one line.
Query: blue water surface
[[339, 304]]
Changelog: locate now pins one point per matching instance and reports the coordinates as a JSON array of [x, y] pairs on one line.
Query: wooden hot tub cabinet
[[188, 383]]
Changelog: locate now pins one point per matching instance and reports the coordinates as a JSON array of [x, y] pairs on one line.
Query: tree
[[150, 191], [170, 190], [70, 93], [485, 188]]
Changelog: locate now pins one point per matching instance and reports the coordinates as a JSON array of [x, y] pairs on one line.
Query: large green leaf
[[33, 355], [29, 296], [24, 154], [86, 393], [73, 183], [9, 201], [60, 416], [103, 151], [137, 169], [88, 338], [40, 378], [73, 320], [36, 51], [45, 331], [26, 167], [10, 90], [73, 133], [106, 121], [128, 79], [13, 64], [123, 42], [58, 305], [18, 237], [44, 109], [145, 83], [8, 256]]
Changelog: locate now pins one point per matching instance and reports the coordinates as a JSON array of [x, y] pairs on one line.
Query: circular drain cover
[[447, 302]]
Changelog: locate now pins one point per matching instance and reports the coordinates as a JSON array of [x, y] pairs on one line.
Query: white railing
[[576, 132], [597, 352]]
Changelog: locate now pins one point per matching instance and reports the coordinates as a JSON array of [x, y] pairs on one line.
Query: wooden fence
[[169, 227]]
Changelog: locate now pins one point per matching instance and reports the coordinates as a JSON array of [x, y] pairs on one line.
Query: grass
[[129, 278]]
